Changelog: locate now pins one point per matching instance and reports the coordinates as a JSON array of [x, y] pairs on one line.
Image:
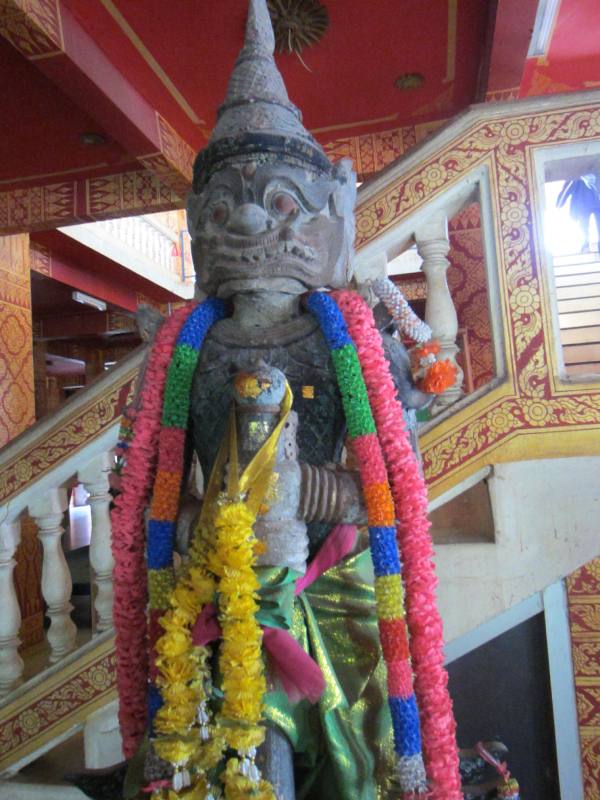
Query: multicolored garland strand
[[382, 535], [169, 475], [380, 507], [410, 497], [129, 541]]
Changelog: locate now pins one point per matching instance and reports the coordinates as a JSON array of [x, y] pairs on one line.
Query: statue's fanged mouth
[[230, 250]]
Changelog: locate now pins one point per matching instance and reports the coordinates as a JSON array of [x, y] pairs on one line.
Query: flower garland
[[410, 496], [398, 307], [431, 374], [128, 539], [169, 474], [382, 537], [222, 560]]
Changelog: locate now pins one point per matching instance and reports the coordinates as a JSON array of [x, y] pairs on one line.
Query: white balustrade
[[47, 512], [94, 477], [433, 246], [11, 663]]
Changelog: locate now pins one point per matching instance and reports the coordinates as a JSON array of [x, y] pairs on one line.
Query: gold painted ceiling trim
[[151, 61]]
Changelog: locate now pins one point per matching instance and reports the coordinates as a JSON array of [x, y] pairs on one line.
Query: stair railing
[[74, 443]]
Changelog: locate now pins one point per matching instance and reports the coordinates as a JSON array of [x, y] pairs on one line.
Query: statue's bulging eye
[[284, 203], [220, 214]]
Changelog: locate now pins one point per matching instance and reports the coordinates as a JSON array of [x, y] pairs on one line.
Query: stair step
[[23, 790]]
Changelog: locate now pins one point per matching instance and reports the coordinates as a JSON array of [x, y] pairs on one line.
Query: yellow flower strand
[[223, 555]]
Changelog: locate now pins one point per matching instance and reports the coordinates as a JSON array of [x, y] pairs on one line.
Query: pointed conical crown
[[257, 116]]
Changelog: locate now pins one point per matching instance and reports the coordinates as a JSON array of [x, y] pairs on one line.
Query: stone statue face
[[272, 226]]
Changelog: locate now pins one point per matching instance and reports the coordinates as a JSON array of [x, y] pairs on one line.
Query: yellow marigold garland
[[223, 555]]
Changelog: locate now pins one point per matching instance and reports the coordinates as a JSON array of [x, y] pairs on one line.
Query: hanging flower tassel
[[509, 789], [389, 593], [401, 312], [431, 374], [410, 498]]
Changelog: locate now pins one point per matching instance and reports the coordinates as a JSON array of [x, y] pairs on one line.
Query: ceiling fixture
[[297, 23], [409, 81], [92, 139], [88, 300]]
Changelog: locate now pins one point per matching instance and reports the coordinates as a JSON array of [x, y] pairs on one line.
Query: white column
[[102, 742], [433, 246], [47, 512], [11, 663], [94, 477]]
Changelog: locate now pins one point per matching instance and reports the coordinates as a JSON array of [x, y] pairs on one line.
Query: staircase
[[520, 439]]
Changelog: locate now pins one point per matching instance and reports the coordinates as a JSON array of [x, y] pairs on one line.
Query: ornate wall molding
[[58, 701], [583, 588], [531, 414], [33, 27], [45, 446], [106, 197]]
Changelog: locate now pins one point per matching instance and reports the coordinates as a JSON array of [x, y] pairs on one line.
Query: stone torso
[[299, 350]]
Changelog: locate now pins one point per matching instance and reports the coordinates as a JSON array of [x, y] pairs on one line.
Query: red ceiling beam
[[46, 262], [93, 274], [47, 34], [38, 208], [73, 326]]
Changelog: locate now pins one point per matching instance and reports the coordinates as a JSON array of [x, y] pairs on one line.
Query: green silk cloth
[[344, 744]]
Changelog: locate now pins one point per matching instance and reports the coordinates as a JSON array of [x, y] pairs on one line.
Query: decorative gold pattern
[[61, 701], [583, 589], [174, 163], [126, 193], [527, 401], [17, 400], [468, 285], [33, 27], [374, 151], [40, 259], [85, 425], [106, 197]]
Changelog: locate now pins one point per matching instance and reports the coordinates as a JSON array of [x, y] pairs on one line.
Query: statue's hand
[[189, 513]]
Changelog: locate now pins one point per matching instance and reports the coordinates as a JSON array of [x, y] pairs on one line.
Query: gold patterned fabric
[[344, 744]]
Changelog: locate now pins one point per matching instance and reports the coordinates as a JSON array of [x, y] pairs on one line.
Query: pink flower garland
[[128, 540], [410, 497]]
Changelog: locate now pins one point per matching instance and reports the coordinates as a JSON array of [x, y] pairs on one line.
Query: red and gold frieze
[[530, 414], [17, 403], [33, 27], [105, 197], [468, 285], [371, 152], [583, 589], [47, 452], [63, 700]]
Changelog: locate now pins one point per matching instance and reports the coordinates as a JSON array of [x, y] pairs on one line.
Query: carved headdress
[[257, 119]]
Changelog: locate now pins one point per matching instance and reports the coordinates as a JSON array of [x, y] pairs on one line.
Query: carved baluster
[[94, 476], [11, 663], [433, 246], [47, 512]]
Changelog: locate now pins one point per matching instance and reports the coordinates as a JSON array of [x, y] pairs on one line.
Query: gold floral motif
[[59, 443], [538, 413], [65, 703]]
